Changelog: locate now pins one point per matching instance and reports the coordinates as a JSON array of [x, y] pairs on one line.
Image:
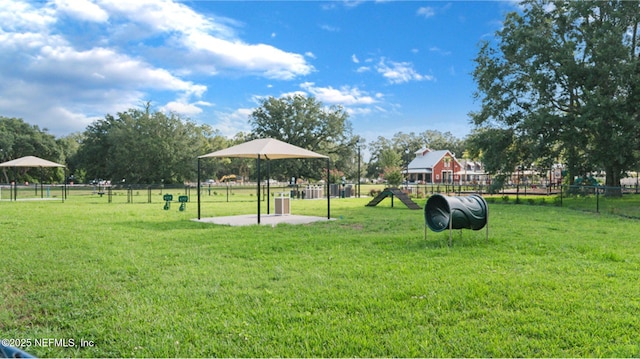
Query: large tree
[[305, 122], [562, 81], [138, 146], [19, 139]]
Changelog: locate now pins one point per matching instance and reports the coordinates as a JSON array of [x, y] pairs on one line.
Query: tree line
[[141, 146]]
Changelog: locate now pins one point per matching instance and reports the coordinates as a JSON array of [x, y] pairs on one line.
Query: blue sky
[[393, 65]]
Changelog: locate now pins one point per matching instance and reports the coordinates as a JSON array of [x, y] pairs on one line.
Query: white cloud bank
[[55, 76]]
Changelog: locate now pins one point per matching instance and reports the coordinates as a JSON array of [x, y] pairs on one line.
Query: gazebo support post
[[64, 188], [258, 193], [15, 185], [198, 186], [328, 192], [268, 189]]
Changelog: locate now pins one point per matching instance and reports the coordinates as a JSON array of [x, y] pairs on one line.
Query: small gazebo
[[265, 149], [31, 161]]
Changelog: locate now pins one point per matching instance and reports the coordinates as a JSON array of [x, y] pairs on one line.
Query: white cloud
[[355, 111], [83, 10], [211, 42], [168, 17], [346, 95], [354, 58], [263, 59], [426, 11], [400, 72], [293, 94], [21, 16], [183, 107], [330, 28], [60, 80], [439, 51], [230, 123]]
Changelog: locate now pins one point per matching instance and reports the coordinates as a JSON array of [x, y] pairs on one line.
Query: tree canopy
[[141, 147], [19, 139], [561, 82], [305, 122]]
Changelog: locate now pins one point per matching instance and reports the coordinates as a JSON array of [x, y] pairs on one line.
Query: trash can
[[283, 204]]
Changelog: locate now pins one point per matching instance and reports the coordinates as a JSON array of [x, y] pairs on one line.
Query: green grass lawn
[[131, 280]]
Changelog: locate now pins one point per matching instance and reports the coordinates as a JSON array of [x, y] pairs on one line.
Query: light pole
[[358, 145]]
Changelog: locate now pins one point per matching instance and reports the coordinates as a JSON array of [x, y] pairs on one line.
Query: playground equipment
[[442, 212], [169, 197], [167, 201], [183, 202], [391, 192]]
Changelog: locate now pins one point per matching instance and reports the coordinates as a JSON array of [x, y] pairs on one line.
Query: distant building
[[473, 173], [431, 166]]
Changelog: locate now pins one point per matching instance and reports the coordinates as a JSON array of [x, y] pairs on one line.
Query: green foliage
[[142, 147], [138, 281], [19, 139], [563, 79], [393, 176], [305, 122], [335, 176]]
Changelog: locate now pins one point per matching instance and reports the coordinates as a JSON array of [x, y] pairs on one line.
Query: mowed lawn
[[125, 280]]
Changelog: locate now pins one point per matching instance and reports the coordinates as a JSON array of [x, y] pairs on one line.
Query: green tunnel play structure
[[447, 212]]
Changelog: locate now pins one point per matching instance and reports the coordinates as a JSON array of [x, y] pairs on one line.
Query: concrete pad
[[265, 220]]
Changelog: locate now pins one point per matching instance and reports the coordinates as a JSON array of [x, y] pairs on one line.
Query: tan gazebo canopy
[[32, 161], [269, 149]]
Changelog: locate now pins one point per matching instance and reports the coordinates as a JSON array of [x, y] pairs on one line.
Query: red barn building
[[431, 166]]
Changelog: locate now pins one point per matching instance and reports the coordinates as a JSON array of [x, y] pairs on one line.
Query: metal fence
[[623, 201], [155, 193]]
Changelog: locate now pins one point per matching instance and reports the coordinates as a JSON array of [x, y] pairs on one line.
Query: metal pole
[[15, 184], [487, 229], [198, 187], [518, 186], [359, 171], [258, 190], [64, 190], [450, 227], [328, 194]]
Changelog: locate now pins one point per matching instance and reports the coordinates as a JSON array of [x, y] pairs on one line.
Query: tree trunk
[[612, 183]]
